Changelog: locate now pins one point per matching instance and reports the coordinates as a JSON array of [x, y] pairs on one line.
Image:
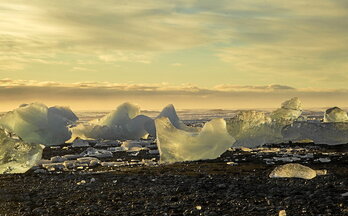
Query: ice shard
[[255, 128], [123, 123], [335, 114], [176, 145], [36, 123], [17, 156]]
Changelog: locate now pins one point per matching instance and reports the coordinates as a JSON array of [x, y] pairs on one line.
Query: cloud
[[302, 43], [106, 95]]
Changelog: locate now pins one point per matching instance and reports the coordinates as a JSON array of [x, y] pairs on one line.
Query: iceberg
[[295, 170], [335, 114], [36, 123], [123, 123], [255, 128], [17, 156], [176, 145]]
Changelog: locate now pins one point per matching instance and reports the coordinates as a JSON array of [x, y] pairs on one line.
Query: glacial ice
[[255, 128], [335, 114], [36, 123], [123, 123], [176, 145], [169, 112], [330, 133], [17, 156], [293, 170]]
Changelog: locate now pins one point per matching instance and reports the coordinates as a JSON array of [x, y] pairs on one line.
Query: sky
[[93, 55]]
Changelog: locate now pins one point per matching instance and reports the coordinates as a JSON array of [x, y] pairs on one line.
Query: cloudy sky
[[196, 54]]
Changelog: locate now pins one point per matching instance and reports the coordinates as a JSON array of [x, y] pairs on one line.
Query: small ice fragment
[[71, 156], [282, 213], [293, 170], [57, 159], [324, 160], [53, 166], [245, 149], [41, 171], [321, 172], [115, 149], [345, 194], [81, 182], [80, 143], [108, 143], [134, 154], [113, 164], [231, 163], [99, 153]]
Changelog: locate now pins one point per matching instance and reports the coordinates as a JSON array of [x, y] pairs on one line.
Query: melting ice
[[177, 145]]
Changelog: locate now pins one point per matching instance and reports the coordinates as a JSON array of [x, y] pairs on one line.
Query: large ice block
[[123, 123], [17, 156], [255, 128], [36, 123], [177, 145]]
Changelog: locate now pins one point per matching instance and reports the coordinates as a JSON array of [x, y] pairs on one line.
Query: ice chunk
[[290, 110], [136, 128], [335, 114], [16, 156], [169, 112], [331, 133], [255, 128], [177, 145], [36, 123], [121, 116], [293, 170], [64, 112], [123, 123]]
